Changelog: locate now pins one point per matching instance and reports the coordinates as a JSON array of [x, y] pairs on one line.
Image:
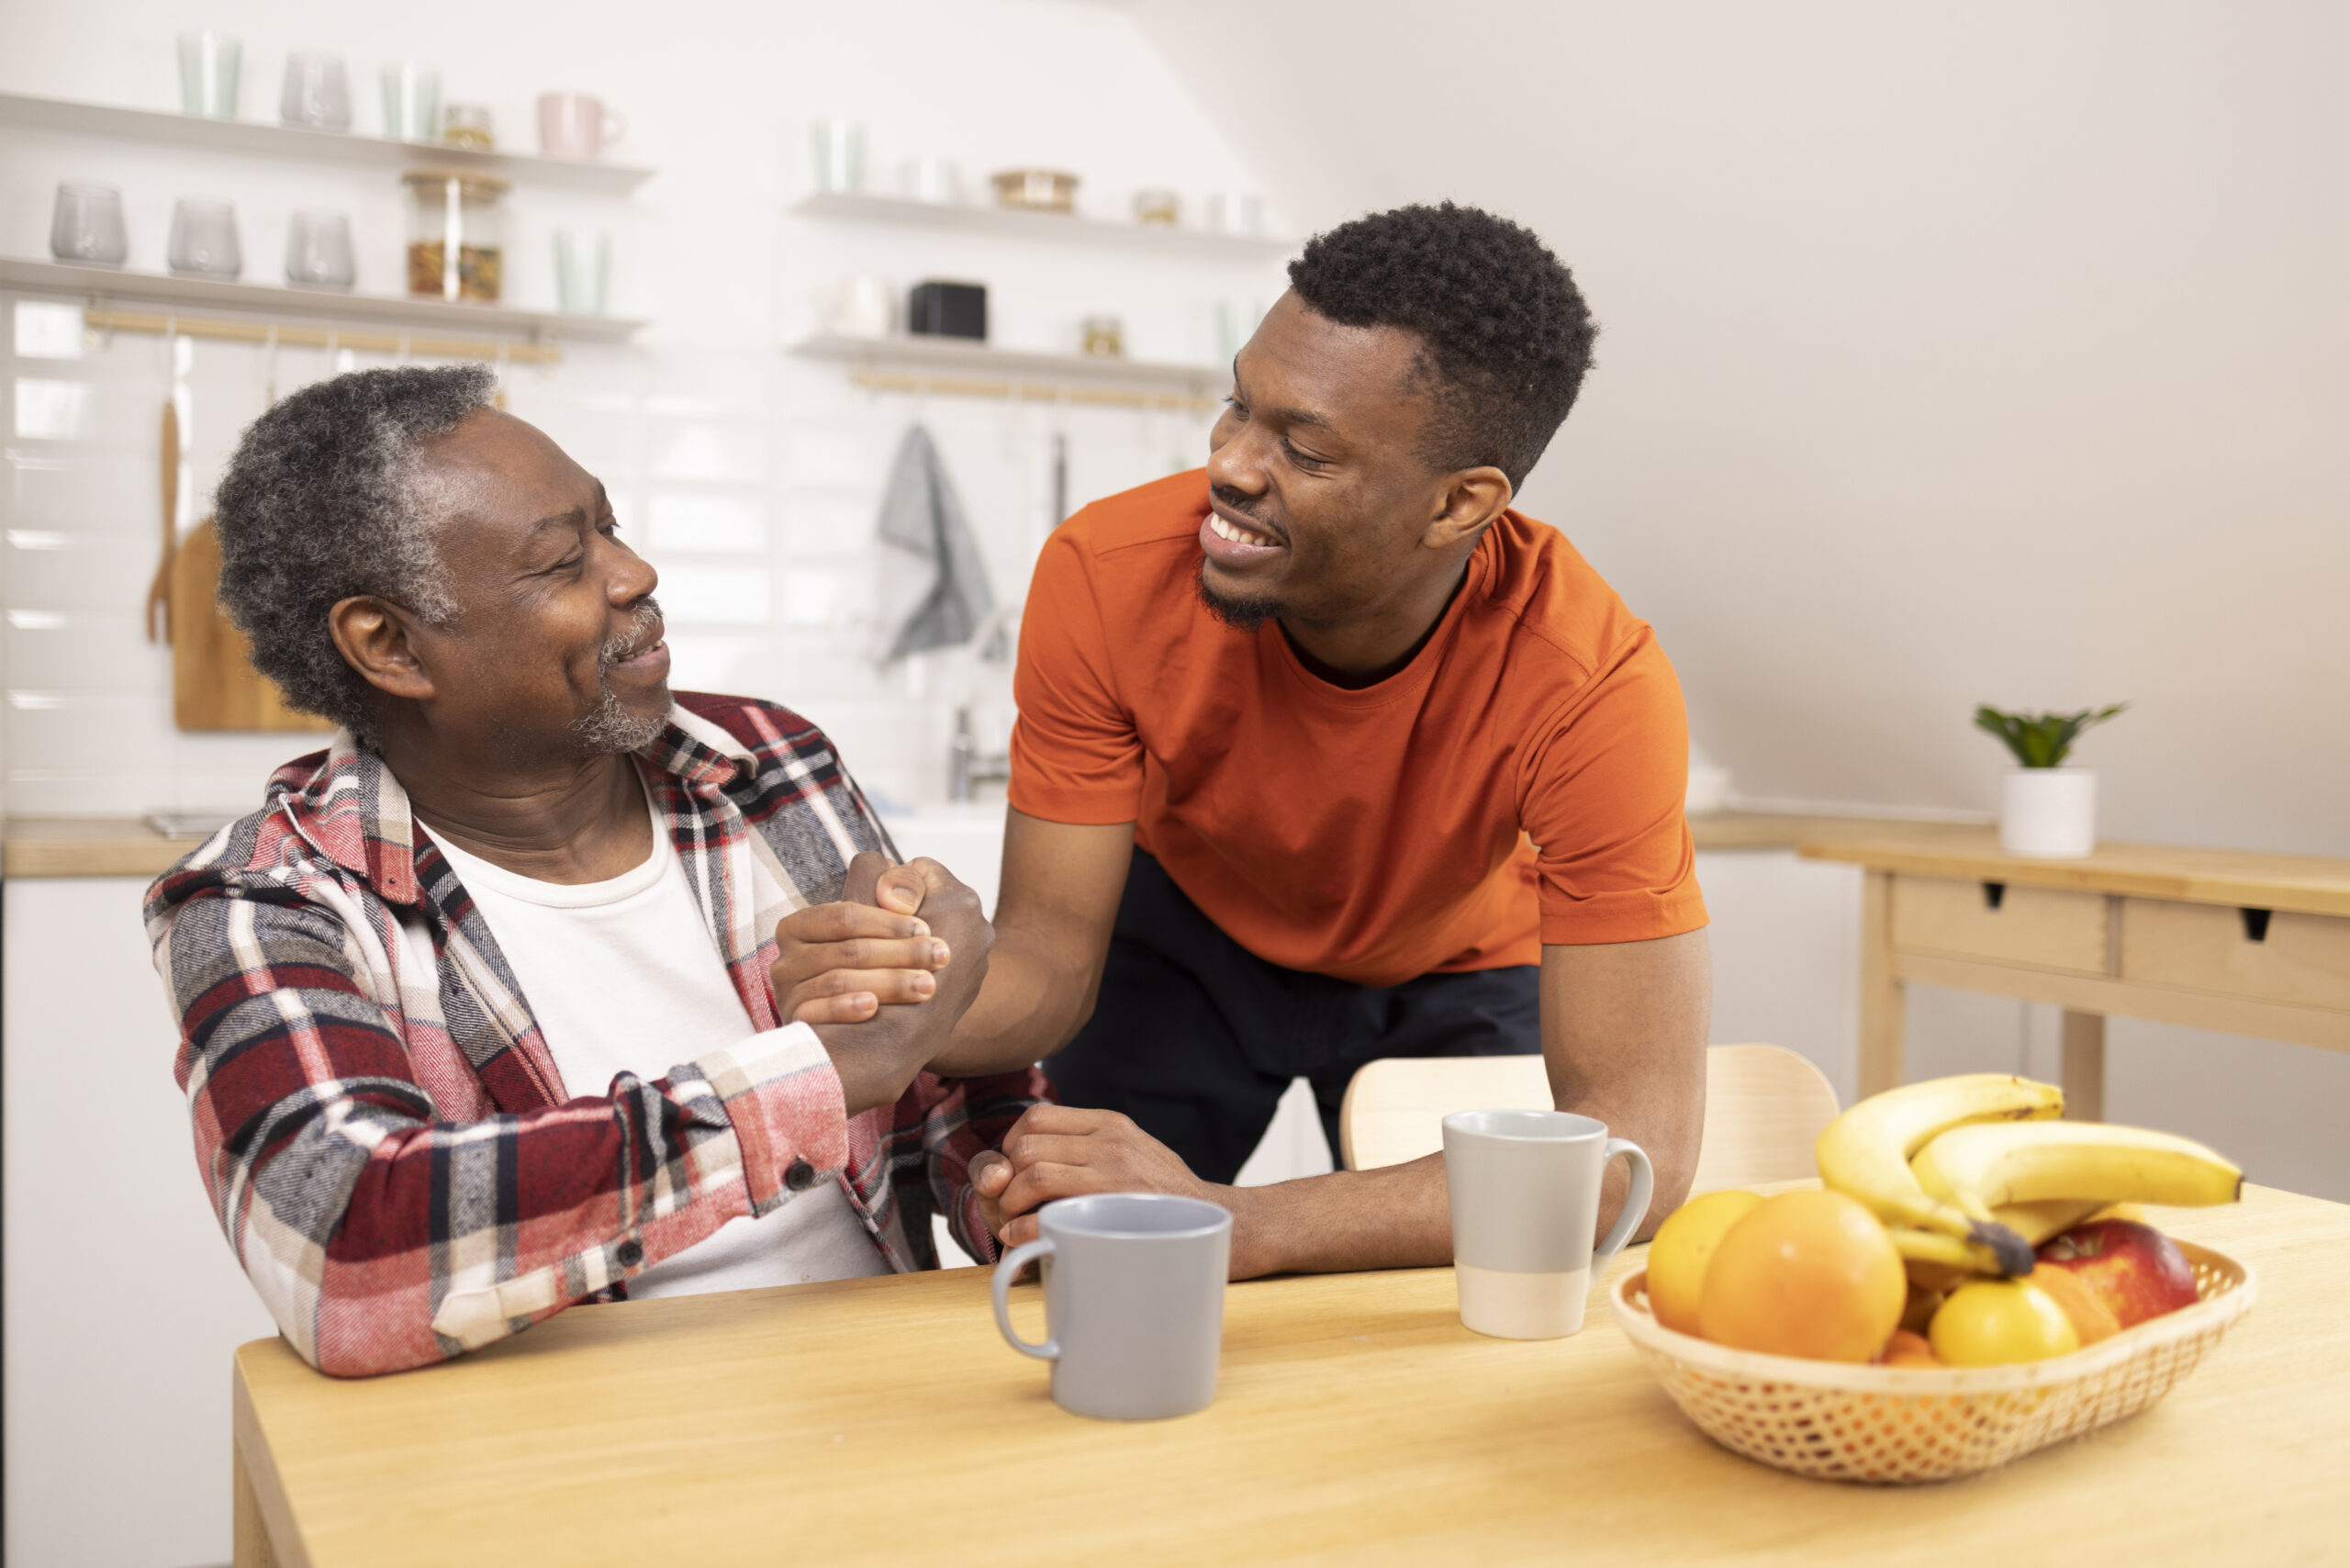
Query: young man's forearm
[[1034, 1001], [1399, 1216]]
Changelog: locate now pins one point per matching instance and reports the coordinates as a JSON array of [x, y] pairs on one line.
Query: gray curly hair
[[323, 501]]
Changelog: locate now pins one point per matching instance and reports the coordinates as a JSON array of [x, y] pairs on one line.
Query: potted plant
[[2045, 808]]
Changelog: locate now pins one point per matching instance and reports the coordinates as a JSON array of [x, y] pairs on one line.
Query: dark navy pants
[[1196, 1037]]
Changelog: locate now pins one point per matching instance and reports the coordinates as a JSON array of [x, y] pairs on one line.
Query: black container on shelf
[[948, 310]]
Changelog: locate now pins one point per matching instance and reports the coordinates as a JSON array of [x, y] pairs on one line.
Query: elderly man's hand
[[878, 1058], [839, 963], [1059, 1151]]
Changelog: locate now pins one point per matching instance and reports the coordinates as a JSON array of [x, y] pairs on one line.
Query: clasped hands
[[885, 974]]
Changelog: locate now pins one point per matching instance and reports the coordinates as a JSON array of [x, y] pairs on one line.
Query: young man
[[1326, 755], [476, 1018]]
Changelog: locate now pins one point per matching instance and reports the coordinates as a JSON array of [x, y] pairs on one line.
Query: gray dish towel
[[938, 599]]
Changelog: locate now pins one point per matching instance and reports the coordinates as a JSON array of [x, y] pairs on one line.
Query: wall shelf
[[262, 139], [958, 367], [1065, 227], [99, 287]]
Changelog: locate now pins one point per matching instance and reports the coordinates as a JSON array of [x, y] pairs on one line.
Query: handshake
[[884, 974], [884, 977]]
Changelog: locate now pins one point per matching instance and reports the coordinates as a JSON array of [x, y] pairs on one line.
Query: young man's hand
[[840, 963], [1059, 1151], [878, 1059]]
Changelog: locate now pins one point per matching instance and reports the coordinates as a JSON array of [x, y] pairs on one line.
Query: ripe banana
[[1865, 1153], [2035, 1162]]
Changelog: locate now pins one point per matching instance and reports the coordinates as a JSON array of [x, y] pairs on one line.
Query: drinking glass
[[203, 240], [468, 125], [208, 63], [411, 102], [317, 91], [839, 146], [583, 266], [86, 225], [319, 250]]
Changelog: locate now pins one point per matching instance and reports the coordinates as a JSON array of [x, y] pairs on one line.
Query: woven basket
[[1843, 1422]]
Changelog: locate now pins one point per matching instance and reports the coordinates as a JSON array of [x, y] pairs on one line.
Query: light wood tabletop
[[2306, 884], [1357, 1422]]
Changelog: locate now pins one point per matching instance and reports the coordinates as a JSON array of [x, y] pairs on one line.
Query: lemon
[[1994, 1322], [1683, 1246]]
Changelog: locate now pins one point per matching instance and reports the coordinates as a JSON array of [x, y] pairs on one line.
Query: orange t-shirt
[[1372, 834]]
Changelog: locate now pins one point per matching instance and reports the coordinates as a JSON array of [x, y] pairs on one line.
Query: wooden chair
[[1764, 1107]]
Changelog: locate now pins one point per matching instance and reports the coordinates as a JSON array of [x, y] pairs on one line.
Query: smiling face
[[1323, 511], [555, 646]]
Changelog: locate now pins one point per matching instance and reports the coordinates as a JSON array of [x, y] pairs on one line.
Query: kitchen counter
[[128, 847], [89, 846]]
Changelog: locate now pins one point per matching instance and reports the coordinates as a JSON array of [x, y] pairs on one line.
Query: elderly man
[[1327, 753], [476, 1014]]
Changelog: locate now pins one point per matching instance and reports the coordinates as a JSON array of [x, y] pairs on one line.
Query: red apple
[[2134, 1269]]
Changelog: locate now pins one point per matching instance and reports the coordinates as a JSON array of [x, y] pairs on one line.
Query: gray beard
[[611, 729]]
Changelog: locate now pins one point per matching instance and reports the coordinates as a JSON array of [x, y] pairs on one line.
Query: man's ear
[[1471, 498], [371, 634]]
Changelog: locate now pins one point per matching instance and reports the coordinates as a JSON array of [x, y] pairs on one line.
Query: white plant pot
[[2048, 812]]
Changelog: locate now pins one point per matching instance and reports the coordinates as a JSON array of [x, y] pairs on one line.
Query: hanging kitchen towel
[[938, 597]]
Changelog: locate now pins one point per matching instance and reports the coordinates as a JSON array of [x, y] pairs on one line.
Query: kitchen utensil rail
[[402, 343]]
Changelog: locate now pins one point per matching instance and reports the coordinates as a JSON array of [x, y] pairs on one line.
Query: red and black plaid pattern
[[393, 1155]]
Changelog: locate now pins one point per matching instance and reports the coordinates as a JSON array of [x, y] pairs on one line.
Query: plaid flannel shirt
[[394, 1156]]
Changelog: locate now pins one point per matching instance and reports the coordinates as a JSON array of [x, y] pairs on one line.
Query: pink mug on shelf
[[573, 125]]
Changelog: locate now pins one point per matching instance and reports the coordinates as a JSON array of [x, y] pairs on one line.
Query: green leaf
[[2041, 740]]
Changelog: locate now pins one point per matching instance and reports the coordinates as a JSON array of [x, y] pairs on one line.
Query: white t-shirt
[[623, 976]]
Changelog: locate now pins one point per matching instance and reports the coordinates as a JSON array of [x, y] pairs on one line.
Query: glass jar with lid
[[457, 241]]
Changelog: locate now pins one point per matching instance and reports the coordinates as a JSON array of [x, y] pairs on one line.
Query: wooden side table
[[2247, 944]]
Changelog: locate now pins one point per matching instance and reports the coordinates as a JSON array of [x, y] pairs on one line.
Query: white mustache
[[648, 615]]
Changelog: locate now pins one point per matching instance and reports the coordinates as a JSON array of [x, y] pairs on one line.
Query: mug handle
[[1015, 1259], [614, 127], [1635, 1203]]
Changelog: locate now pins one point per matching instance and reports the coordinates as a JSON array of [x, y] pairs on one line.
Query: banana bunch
[[1866, 1152], [2050, 1165], [1971, 1173]]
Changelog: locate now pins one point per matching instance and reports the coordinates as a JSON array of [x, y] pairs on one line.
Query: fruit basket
[[1893, 1425]]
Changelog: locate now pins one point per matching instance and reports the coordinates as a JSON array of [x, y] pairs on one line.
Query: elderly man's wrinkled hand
[[841, 963], [879, 1055]]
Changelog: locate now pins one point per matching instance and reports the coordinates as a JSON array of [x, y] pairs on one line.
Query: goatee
[[1240, 614], [611, 728]]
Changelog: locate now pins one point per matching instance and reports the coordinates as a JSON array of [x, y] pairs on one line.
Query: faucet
[[966, 765]]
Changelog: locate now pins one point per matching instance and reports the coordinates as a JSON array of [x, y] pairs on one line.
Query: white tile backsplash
[[749, 478]]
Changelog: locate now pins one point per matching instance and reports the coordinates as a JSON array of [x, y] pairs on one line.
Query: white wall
[[1949, 354]]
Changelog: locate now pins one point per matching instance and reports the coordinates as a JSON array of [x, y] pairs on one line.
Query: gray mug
[[1134, 1302], [1525, 1193]]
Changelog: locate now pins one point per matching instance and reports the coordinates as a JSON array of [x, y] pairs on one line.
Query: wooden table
[[882, 1421], [2247, 944]]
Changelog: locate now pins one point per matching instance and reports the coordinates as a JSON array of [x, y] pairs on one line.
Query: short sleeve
[[1075, 754], [1601, 797]]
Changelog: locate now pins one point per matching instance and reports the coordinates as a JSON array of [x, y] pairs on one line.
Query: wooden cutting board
[[214, 684]]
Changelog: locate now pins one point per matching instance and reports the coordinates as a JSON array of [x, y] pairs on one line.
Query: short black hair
[[322, 502], [1506, 335]]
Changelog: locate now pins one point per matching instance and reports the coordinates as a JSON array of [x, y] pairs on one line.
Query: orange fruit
[[1994, 1322], [1809, 1274], [2092, 1319], [1683, 1250], [1907, 1349]]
